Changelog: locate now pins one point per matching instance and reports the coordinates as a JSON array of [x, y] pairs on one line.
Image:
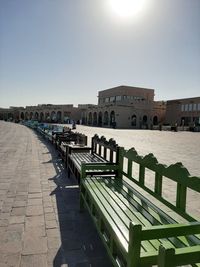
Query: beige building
[[125, 107], [51, 113], [183, 112], [121, 107], [42, 113]]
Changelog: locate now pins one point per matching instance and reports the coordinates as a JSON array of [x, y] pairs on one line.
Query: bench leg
[[165, 257]]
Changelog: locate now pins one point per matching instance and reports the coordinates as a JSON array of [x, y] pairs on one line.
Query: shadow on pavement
[[80, 243]]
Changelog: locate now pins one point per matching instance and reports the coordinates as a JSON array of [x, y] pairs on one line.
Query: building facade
[[183, 112], [125, 107], [42, 113]]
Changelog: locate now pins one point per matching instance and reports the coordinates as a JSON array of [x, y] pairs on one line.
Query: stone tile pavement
[[40, 222]]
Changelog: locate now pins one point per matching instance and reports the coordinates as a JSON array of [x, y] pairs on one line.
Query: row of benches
[[137, 223]]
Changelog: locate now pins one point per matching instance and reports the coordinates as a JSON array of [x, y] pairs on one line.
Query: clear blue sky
[[65, 51]]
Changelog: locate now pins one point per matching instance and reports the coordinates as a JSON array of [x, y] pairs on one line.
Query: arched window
[[41, 116], [26, 116], [59, 116], [134, 120], [22, 115], [53, 116], [36, 117], [90, 119], [100, 119], [47, 117], [112, 118], [95, 118], [144, 119], [155, 120], [105, 118]]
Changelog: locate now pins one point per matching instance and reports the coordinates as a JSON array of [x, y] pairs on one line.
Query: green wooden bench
[[64, 140], [101, 150], [134, 218], [170, 257]]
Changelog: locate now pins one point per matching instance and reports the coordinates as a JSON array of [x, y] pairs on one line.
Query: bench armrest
[[164, 231], [176, 257]]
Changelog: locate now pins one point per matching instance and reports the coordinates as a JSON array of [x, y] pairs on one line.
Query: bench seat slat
[[78, 158], [116, 205], [122, 210], [154, 214], [108, 214], [129, 213]]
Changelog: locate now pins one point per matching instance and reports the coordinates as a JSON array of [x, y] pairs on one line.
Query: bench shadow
[[80, 244]]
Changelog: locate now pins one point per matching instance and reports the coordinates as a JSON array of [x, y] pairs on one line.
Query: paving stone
[[54, 242], [34, 195], [34, 201], [50, 216], [19, 203], [34, 245], [4, 222], [34, 210], [16, 227], [16, 219], [10, 247], [10, 260], [30, 208], [54, 232], [34, 261], [21, 198], [35, 230], [18, 211], [51, 224], [48, 210], [5, 215], [33, 221]]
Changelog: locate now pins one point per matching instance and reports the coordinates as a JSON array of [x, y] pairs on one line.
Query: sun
[[127, 8]]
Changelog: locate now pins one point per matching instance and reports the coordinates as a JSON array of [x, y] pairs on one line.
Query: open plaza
[[40, 221]]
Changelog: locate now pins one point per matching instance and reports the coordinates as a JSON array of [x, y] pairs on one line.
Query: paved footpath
[[40, 222]]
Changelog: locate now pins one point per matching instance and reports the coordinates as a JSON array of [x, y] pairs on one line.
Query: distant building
[[126, 107], [50, 113], [121, 107], [42, 113], [183, 112]]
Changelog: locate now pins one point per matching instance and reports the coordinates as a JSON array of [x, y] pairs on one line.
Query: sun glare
[[127, 8]]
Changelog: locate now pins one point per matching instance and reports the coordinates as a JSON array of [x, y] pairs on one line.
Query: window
[[118, 98], [112, 99], [182, 107], [100, 100], [198, 106], [134, 120], [107, 99], [190, 107], [186, 107], [194, 106]]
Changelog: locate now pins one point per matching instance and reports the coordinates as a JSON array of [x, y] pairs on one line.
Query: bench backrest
[[106, 149], [76, 137], [176, 174]]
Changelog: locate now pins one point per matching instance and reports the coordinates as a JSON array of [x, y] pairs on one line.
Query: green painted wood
[[165, 258], [134, 245], [170, 230], [176, 257], [158, 184], [121, 208], [141, 175], [146, 215], [181, 197]]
